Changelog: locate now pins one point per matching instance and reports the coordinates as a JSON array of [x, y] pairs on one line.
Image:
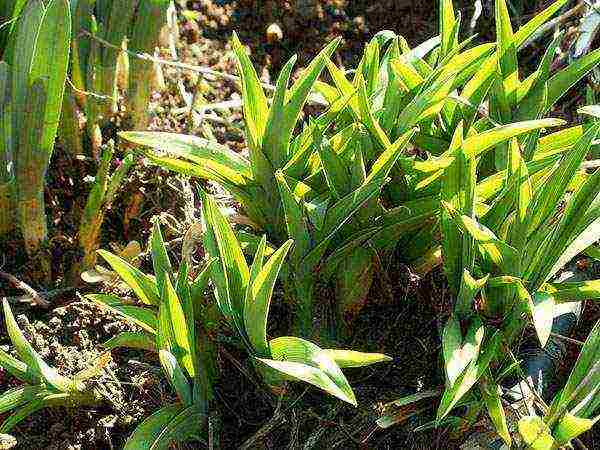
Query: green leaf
[[231, 273], [507, 52], [22, 413], [203, 158], [447, 22], [543, 315], [255, 102], [30, 356], [143, 286], [385, 162], [491, 248], [160, 260], [490, 391], [579, 396], [286, 108], [570, 426], [50, 63], [574, 291], [560, 83], [458, 191], [182, 333], [176, 376], [295, 221], [304, 361], [173, 423], [15, 397], [527, 30], [536, 433], [142, 317], [18, 369], [130, 339], [469, 376], [350, 358], [256, 310], [200, 283], [477, 144], [459, 352], [469, 288]]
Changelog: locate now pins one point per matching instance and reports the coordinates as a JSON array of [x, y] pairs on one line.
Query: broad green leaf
[[447, 21], [257, 305], [200, 283], [526, 31], [209, 159], [50, 63], [142, 317], [507, 52], [491, 248], [384, 163], [144, 287], [350, 358], [469, 288], [578, 228], [479, 143], [574, 291], [334, 168], [295, 221], [469, 376], [579, 396], [286, 108], [458, 190], [560, 83], [460, 352], [182, 333], [304, 361], [543, 315]]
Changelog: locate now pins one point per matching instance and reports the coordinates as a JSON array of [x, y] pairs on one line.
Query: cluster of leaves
[[41, 44], [32, 79], [440, 151], [100, 30], [485, 196], [175, 321]]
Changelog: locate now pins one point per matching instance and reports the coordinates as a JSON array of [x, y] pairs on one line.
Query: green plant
[[173, 320], [99, 200], [38, 55], [282, 187], [575, 408], [244, 296], [99, 66], [513, 246], [42, 386]]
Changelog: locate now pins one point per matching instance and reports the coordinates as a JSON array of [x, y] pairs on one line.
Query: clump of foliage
[[440, 154]]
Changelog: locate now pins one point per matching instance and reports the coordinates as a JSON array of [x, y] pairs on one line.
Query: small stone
[[274, 33]]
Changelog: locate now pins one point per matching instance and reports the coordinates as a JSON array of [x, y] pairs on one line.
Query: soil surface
[[403, 315]]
